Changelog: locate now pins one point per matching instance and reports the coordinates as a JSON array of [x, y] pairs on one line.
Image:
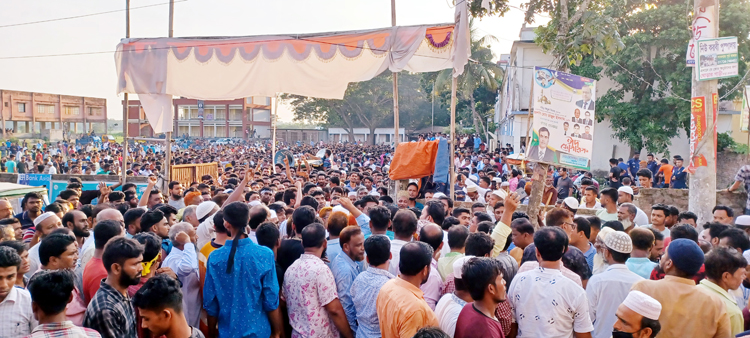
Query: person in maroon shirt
[[94, 271], [483, 276]]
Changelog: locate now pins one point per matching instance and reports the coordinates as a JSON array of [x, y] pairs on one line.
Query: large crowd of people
[[319, 248]]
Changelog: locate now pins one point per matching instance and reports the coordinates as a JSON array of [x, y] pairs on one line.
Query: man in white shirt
[[16, 316], [404, 227], [451, 304], [183, 260], [607, 290], [625, 195], [544, 303]]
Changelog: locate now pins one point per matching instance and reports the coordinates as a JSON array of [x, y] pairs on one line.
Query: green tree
[[578, 28], [480, 74], [367, 104], [651, 102]]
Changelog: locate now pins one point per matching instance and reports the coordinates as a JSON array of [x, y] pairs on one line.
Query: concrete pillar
[[226, 119]]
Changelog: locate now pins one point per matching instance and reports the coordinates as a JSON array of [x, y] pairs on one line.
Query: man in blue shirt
[[365, 288], [11, 164], [652, 165], [634, 164], [345, 269], [679, 175], [241, 290], [623, 166]]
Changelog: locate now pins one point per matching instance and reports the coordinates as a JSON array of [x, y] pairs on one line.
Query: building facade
[[294, 135], [241, 118], [26, 114], [382, 135]]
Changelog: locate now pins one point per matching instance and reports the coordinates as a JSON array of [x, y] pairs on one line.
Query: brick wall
[[679, 198]]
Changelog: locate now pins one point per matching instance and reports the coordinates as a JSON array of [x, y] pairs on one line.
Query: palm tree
[[480, 71]]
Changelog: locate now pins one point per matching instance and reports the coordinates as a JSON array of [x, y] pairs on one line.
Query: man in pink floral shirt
[[310, 289]]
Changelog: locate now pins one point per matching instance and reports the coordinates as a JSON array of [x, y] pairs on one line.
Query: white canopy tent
[[318, 65]]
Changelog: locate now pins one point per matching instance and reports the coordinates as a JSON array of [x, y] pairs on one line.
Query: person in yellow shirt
[[725, 270]]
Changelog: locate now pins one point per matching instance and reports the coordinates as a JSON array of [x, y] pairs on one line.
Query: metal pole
[[168, 160], [273, 132], [125, 107], [395, 82], [454, 139], [702, 193]]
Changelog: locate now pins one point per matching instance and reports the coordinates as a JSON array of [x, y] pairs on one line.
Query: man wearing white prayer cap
[[45, 224], [637, 317]]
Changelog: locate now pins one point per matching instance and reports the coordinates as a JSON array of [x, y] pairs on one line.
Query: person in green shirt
[[725, 270], [457, 235]]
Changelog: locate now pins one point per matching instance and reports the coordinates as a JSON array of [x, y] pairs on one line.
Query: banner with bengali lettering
[[564, 120], [717, 58], [697, 131]]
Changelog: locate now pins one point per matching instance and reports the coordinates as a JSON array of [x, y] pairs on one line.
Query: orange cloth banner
[[414, 160], [697, 131]]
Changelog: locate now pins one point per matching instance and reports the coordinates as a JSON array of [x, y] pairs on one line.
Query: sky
[[94, 38]]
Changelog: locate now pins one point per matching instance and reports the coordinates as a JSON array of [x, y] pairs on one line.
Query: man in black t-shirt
[[614, 174]]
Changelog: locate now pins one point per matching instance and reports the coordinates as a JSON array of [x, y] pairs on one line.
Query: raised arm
[[236, 195], [146, 193]]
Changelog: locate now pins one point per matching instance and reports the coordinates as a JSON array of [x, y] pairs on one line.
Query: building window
[[45, 108], [95, 111], [21, 107], [72, 110], [235, 113], [261, 115]]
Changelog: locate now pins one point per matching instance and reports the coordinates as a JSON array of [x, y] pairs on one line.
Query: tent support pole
[[125, 107], [396, 139], [454, 139], [273, 130], [168, 160]]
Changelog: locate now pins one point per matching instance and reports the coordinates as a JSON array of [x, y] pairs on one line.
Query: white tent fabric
[[317, 65]]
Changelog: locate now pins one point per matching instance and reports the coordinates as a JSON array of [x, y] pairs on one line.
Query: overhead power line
[[85, 15]]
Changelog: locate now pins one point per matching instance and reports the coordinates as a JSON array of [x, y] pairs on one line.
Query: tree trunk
[[351, 134], [372, 136], [478, 124], [537, 190]]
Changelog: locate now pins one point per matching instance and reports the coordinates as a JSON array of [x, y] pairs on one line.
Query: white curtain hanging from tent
[[317, 65]]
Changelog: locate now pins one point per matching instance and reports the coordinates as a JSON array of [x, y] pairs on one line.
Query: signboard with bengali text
[[717, 58]]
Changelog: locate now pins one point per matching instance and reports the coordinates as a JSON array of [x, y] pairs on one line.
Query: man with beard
[[6, 210], [59, 251], [77, 222], [345, 269], [95, 270], [110, 311], [45, 224], [175, 195]]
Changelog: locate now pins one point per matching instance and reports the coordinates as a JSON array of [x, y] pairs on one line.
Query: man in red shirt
[[94, 271], [483, 276]]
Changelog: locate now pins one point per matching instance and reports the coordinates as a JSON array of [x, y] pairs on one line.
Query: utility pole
[[125, 107], [395, 83], [168, 160], [702, 184]]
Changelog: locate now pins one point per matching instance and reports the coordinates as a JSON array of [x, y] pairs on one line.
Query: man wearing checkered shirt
[[110, 312]]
